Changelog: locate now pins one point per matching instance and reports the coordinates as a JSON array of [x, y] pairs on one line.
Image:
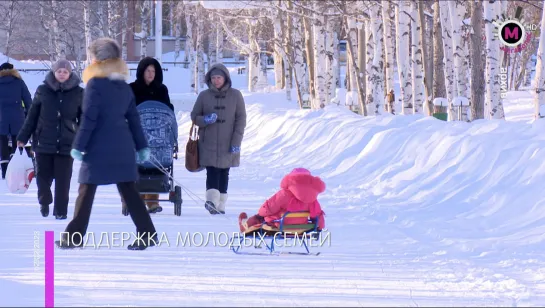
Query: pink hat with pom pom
[[300, 171]]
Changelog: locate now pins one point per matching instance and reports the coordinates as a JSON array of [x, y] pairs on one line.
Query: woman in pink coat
[[299, 191]]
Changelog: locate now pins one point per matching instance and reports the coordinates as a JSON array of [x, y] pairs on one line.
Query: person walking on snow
[[220, 114], [15, 101], [149, 86], [52, 121], [108, 143]]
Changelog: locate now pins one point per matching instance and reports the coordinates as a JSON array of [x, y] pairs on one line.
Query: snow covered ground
[[420, 213]]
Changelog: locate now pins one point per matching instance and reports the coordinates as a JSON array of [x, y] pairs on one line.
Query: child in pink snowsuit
[[298, 192]]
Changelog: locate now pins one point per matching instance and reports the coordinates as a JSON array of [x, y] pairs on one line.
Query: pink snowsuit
[[298, 192]]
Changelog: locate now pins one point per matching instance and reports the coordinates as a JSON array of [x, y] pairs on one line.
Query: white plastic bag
[[20, 172]]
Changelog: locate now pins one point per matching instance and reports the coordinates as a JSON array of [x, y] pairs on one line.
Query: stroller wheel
[[177, 201]]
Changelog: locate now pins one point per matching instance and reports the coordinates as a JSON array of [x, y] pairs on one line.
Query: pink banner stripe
[[49, 269]]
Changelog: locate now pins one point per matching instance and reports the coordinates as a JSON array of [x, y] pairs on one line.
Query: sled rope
[[155, 162]]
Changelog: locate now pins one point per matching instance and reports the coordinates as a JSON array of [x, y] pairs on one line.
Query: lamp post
[[159, 30]]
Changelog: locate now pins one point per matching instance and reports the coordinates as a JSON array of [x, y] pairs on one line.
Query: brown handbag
[[192, 150]]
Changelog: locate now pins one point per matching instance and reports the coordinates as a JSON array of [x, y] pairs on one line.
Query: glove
[[143, 155], [77, 155], [234, 149], [210, 118]]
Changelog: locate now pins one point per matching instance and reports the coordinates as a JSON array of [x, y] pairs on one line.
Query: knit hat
[[6, 66], [218, 72], [105, 48], [62, 64], [300, 171]]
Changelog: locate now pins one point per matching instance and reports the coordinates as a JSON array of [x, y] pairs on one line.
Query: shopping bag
[[20, 172], [192, 151]]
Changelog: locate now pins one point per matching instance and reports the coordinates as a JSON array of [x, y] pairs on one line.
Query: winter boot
[[44, 209], [65, 243], [221, 206], [143, 243], [212, 201], [243, 222]]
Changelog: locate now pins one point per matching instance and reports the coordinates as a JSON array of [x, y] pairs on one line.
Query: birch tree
[[277, 55], [403, 30], [299, 66], [389, 50], [377, 77], [124, 28], [199, 65], [331, 61], [446, 29], [145, 12], [321, 95], [457, 10], [493, 103], [220, 36], [352, 70], [539, 80], [416, 61]]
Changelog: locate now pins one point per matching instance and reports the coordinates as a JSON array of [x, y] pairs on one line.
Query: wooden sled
[[268, 236]]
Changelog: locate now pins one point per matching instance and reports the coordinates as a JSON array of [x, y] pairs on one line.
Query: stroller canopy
[[161, 129]]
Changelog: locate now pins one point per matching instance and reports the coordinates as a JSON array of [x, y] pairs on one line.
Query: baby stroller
[[156, 174]]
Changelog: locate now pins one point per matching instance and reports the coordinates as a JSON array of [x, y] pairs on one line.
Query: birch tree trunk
[[426, 66], [87, 27], [189, 46], [322, 95], [177, 32], [417, 67], [370, 50], [331, 61], [287, 57], [200, 48], [360, 69], [125, 29], [403, 32], [100, 16], [352, 66], [212, 47], [389, 51], [377, 68], [309, 58], [299, 66], [219, 44], [457, 12], [446, 30], [145, 10], [439, 89], [112, 19], [277, 56], [477, 67], [539, 80]]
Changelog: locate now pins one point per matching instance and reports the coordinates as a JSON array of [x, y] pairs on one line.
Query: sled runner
[[269, 236]]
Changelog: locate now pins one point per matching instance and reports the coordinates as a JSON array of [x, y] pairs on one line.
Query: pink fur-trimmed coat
[[299, 191]]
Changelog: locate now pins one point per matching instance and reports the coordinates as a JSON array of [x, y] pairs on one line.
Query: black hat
[[6, 66]]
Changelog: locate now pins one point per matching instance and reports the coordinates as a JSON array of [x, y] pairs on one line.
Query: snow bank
[[479, 183]]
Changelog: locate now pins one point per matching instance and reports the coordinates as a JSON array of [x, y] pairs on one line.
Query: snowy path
[[421, 213], [367, 264]]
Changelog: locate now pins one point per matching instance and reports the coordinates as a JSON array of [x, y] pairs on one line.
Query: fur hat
[[6, 66], [62, 64], [105, 48]]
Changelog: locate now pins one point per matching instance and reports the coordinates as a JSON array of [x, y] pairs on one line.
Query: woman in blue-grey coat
[[15, 101], [109, 141]]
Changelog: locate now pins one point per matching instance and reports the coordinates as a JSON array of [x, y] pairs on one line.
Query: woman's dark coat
[[54, 116], [15, 101], [110, 132]]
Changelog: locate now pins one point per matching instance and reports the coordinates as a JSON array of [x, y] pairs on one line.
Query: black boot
[[66, 244], [44, 209], [143, 243]]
